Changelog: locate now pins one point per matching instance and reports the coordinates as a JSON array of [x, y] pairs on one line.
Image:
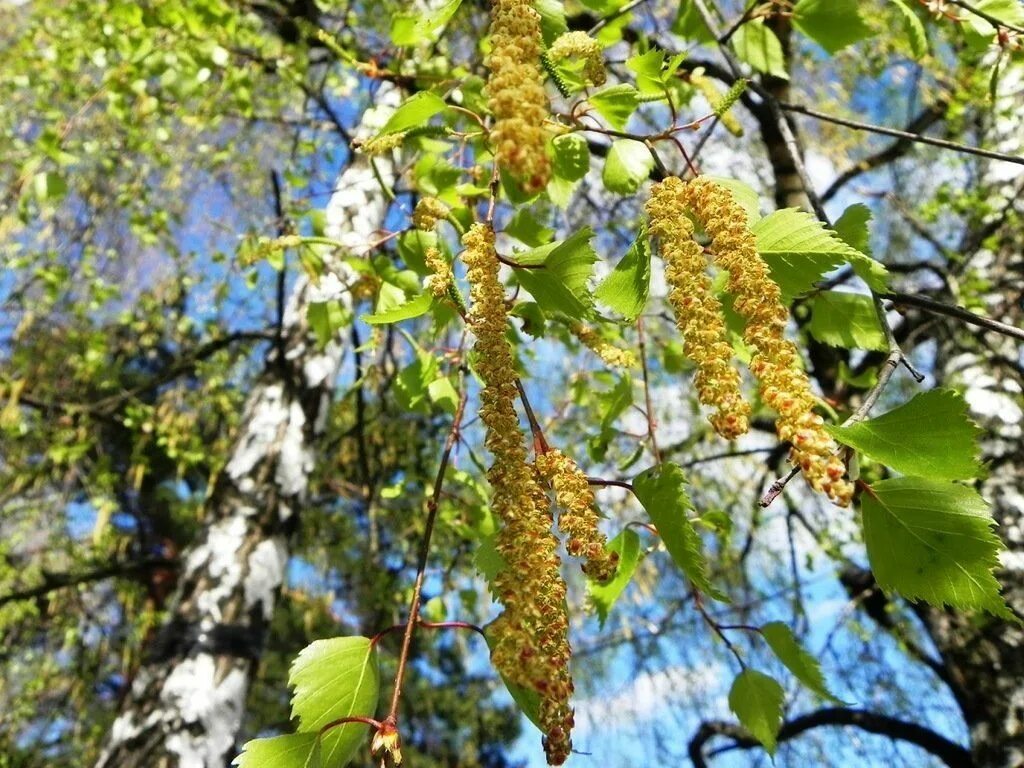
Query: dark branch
[[55, 581]]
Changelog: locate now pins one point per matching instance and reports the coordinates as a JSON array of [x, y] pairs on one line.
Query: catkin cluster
[[577, 519], [609, 353], [776, 361], [516, 95], [530, 638], [580, 45], [429, 211], [698, 312], [440, 281], [378, 145]]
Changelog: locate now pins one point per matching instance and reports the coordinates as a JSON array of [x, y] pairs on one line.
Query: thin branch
[[993, 20], [949, 310], [55, 581], [914, 137]]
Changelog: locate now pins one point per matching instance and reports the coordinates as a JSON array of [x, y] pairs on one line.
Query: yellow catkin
[[516, 96], [776, 361], [378, 145], [429, 211], [609, 353], [698, 312], [720, 103], [580, 45], [530, 643], [441, 280], [577, 519]]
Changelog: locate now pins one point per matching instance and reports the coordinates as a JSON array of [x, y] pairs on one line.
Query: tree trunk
[[184, 707]]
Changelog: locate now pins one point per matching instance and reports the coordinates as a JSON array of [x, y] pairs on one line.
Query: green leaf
[[552, 19], [571, 160], [931, 436], [414, 307], [629, 162], [758, 46], [525, 228], [528, 701], [333, 679], [413, 29], [689, 24], [799, 250], [846, 320], [757, 699], [662, 491], [326, 318], [852, 227], [647, 67], [933, 540], [626, 287], [914, 29], [562, 285], [414, 112], [615, 104], [603, 596], [804, 667], [296, 750], [832, 24]]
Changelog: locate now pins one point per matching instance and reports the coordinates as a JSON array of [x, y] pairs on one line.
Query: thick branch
[[55, 581]]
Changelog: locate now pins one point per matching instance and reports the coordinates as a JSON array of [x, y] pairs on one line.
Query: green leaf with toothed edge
[[333, 679], [603, 596], [629, 162], [561, 285], [615, 104], [295, 750], [933, 540], [756, 698], [805, 668], [846, 320], [414, 307], [626, 287], [832, 24], [662, 492]]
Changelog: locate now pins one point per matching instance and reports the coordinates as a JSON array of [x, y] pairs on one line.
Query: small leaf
[[571, 159], [933, 540], [615, 104], [931, 436], [627, 544], [846, 320], [414, 307], [415, 28], [852, 227], [913, 28], [832, 24], [662, 491], [689, 24], [562, 286], [757, 699], [626, 287], [804, 667], [296, 750], [758, 46], [414, 112], [629, 162], [647, 67], [334, 679], [552, 19]]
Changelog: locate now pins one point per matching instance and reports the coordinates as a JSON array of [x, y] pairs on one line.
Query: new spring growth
[[530, 644], [378, 145], [440, 281], [720, 104], [608, 352], [698, 312], [429, 211], [577, 519], [516, 96], [776, 363], [580, 45]]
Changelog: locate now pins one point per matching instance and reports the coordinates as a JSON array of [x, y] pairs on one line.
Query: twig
[[652, 423], [949, 310], [540, 443], [993, 20]]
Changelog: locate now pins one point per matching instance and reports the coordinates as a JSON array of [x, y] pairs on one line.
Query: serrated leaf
[[335, 678], [563, 283], [647, 67], [933, 540], [799, 250], [412, 29], [571, 159], [414, 112], [525, 228], [626, 287], [931, 436], [832, 24], [758, 46], [629, 162], [615, 104], [914, 29], [662, 492], [603, 596], [295, 750], [804, 667], [846, 320], [756, 699], [852, 227], [414, 307]]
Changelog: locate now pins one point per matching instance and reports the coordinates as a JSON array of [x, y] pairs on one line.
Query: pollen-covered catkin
[[429, 211], [440, 280], [580, 45], [609, 353], [378, 145], [698, 313], [776, 361], [530, 640], [516, 96], [577, 519]]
